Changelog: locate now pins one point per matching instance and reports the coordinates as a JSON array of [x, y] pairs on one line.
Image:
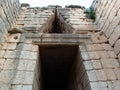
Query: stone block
[[118, 14], [22, 65], [112, 54], [117, 72], [88, 65], [116, 34], [103, 54], [119, 57], [93, 55], [92, 75], [95, 86], [112, 26], [4, 46], [2, 53], [112, 14], [19, 77], [98, 47], [117, 5], [12, 46], [109, 63], [82, 48], [101, 76], [28, 55], [117, 46], [6, 76], [27, 87], [103, 86], [27, 47], [16, 87], [110, 74], [31, 65], [12, 54], [114, 85], [85, 55], [13, 38], [96, 64], [29, 77], [90, 47], [4, 87], [2, 62], [106, 25], [98, 38], [10, 64], [107, 47]]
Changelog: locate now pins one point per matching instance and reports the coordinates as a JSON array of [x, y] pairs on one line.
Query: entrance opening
[[60, 67], [56, 66]]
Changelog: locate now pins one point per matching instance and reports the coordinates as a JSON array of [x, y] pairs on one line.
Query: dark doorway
[[56, 65]]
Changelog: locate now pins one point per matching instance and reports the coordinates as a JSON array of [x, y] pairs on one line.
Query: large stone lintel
[[58, 39]]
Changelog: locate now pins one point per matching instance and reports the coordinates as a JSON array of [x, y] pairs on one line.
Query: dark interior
[[56, 65]]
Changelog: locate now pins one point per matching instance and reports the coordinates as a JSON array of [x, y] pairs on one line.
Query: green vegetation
[[90, 13]]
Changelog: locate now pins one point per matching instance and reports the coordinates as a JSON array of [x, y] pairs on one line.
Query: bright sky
[[41, 3]]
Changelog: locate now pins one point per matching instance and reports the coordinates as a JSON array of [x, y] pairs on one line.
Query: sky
[[41, 3]]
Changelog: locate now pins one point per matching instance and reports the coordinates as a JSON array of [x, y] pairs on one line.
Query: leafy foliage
[[90, 13]]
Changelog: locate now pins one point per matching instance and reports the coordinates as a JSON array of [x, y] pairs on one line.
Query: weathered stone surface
[[107, 47], [96, 64], [117, 72], [27, 87], [12, 54], [6, 76], [115, 36], [92, 75], [117, 46], [103, 86], [88, 65], [85, 55], [10, 64], [27, 47], [2, 53], [22, 65], [28, 78], [112, 54], [110, 74], [2, 62], [101, 76], [28, 55], [103, 54], [17, 87], [95, 86], [98, 38], [19, 77], [114, 85], [4, 46], [90, 47], [12, 46], [13, 38], [4, 87], [98, 47], [31, 65], [93, 55], [109, 63], [18, 55]]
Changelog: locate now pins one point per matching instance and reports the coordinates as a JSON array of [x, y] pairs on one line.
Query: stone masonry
[[98, 64]]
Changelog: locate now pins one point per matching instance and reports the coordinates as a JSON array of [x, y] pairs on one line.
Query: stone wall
[[8, 11], [79, 79], [108, 20], [19, 54], [75, 21]]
